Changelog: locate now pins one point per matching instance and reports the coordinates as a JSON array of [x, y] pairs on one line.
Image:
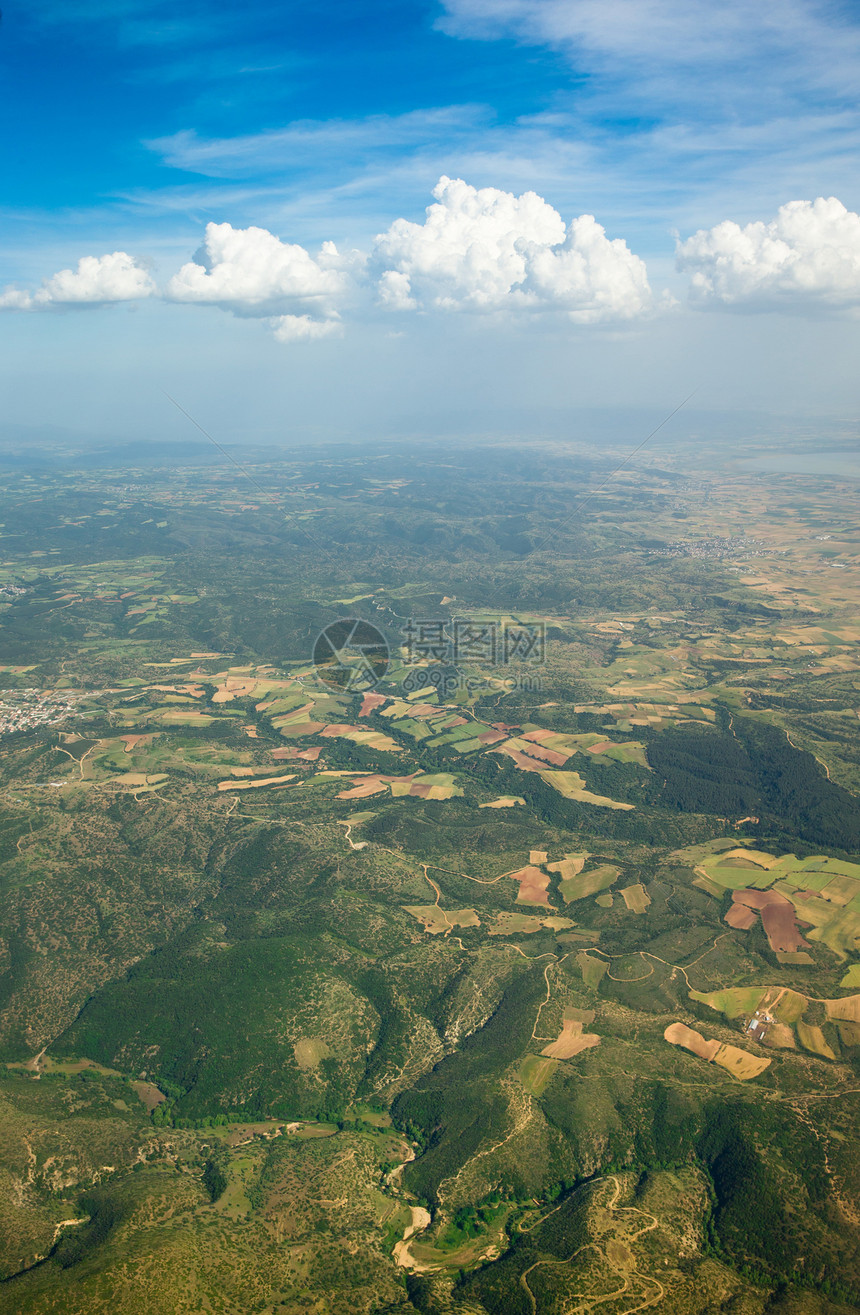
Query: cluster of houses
[[24, 709]]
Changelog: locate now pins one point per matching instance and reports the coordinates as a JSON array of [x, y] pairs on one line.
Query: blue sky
[[202, 160]]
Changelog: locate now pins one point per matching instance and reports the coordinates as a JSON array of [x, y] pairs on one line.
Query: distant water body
[[840, 465]]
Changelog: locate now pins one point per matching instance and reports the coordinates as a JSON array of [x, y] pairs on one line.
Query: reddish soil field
[[533, 886], [370, 785], [369, 702], [780, 924], [551, 756], [130, 741], [777, 916], [300, 728], [758, 899], [740, 917], [522, 760]]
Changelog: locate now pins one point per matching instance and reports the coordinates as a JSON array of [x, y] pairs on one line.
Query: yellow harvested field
[[678, 1034], [847, 1008], [572, 1039], [636, 898], [418, 785], [840, 890], [740, 1063], [781, 1037], [571, 865], [438, 921], [442, 791], [506, 801], [538, 856], [358, 735], [572, 786], [757, 857], [234, 688], [812, 1039], [361, 789], [255, 785]]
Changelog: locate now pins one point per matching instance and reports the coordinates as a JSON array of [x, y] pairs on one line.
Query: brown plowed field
[[740, 917], [777, 915], [533, 885]]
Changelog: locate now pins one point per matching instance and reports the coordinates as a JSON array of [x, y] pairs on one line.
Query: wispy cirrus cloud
[[698, 102], [818, 42], [308, 143]]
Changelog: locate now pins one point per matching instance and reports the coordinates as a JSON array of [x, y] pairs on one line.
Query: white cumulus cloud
[[485, 249], [301, 328], [809, 255], [252, 272], [478, 250], [98, 280]]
